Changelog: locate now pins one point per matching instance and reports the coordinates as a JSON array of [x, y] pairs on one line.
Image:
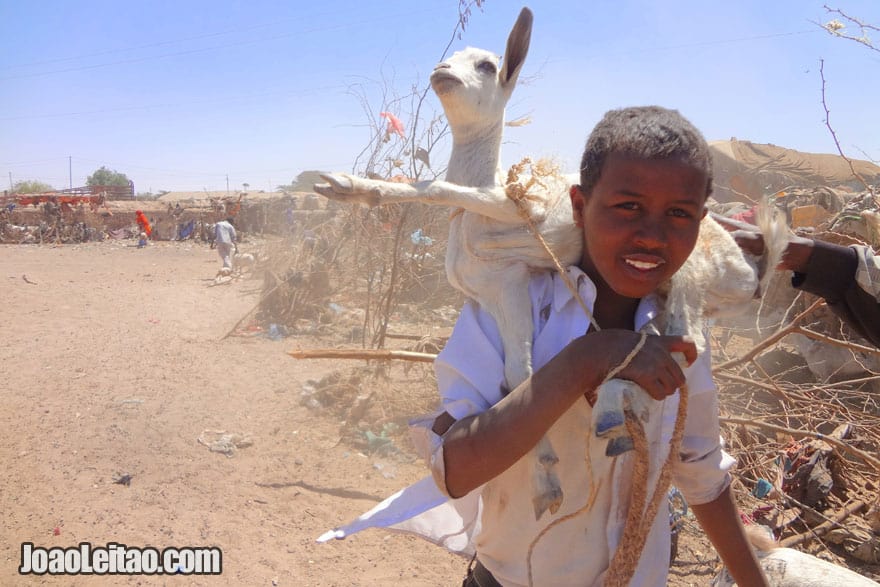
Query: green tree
[[31, 186], [104, 176]]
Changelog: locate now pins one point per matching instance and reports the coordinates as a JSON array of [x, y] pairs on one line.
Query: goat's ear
[[517, 48]]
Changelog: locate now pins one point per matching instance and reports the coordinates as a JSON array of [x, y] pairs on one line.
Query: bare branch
[[838, 29], [852, 168], [839, 444], [363, 354]]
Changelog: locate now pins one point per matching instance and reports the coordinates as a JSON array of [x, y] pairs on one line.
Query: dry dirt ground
[[113, 362]]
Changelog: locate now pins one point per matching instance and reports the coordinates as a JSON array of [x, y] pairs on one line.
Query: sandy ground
[[112, 363]]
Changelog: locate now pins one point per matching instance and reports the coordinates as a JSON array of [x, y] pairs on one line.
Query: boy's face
[[640, 222]]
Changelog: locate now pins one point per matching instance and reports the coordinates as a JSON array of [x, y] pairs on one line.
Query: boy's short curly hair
[[648, 132]]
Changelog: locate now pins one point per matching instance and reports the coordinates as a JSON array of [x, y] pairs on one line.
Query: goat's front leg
[[343, 187], [489, 201]]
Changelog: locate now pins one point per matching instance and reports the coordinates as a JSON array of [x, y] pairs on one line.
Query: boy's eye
[[628, 205], [680, 213]]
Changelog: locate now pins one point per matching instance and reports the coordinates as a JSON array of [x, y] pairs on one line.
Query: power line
[[220, 33], [226, 100], [183, 173], [139, 47], [638, 50], [37, 162], [205, 49]]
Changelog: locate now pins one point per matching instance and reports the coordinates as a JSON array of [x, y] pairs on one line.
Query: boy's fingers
[[751, 242], [681, 344], [732, 224]]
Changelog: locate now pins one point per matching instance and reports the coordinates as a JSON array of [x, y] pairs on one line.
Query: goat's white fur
[[787, 567], [491, 252]]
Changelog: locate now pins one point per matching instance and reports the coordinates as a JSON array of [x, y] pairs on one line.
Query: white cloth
[[225, 252], [224, 233], [498, 519]]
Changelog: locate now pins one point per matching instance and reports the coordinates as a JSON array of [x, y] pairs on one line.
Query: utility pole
[[70, 171], [10, 181], [227, 184]]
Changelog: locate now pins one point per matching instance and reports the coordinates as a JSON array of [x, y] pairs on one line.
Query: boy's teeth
[[641, 264]]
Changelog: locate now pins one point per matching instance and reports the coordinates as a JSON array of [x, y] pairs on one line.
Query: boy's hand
[[654, 368], [796, 256], [747, 236]]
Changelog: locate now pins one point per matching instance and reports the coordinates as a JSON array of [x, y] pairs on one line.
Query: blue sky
[[179, 95]]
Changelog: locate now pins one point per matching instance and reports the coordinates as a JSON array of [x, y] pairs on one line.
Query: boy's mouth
[[644, 262]]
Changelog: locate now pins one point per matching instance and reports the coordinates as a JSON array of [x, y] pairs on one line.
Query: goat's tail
[[775, 232], [761, 538]]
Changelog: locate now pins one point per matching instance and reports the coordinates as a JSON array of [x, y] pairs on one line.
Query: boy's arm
[[720, 521], [479, 448]]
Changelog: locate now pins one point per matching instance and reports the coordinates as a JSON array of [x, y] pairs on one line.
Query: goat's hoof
[[337, 185], [550, 500], [546, 491], [619, 445]]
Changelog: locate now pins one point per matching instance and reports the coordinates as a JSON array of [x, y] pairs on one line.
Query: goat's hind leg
[[513, 316]]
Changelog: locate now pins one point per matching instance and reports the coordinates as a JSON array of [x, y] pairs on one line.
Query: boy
[[645, 177]]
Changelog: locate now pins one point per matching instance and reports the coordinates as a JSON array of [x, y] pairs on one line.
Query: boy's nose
[[651, 235]]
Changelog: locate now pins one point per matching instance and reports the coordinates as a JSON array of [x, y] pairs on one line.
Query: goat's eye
[[487, 67]]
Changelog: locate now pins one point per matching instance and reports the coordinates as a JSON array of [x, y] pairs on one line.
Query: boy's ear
[[705, 211], [577, 204]]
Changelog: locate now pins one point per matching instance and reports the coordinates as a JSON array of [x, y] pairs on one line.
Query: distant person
[[848, 278], [143, 223], [291, 220], [224, 238]]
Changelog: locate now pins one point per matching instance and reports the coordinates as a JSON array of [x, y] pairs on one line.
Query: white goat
[[490, 250], [787, 567]]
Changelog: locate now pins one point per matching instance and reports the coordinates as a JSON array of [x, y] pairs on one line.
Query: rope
[[625, 363], [637, 526], [517, 193], [594, 487], [626, 557]]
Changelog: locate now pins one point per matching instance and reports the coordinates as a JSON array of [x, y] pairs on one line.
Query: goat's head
[[472, 87]]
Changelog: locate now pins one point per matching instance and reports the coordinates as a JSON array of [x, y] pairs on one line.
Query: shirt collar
[[647, 311]]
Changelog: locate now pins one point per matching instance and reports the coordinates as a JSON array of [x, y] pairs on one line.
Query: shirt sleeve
[[704, 469], [470, 373], [848, 278], [470, 368], [830, 271]]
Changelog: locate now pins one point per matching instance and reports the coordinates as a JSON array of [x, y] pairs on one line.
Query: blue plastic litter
[[762, 488], [418, 238]]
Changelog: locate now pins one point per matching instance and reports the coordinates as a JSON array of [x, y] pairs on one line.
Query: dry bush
[[362, 267]]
